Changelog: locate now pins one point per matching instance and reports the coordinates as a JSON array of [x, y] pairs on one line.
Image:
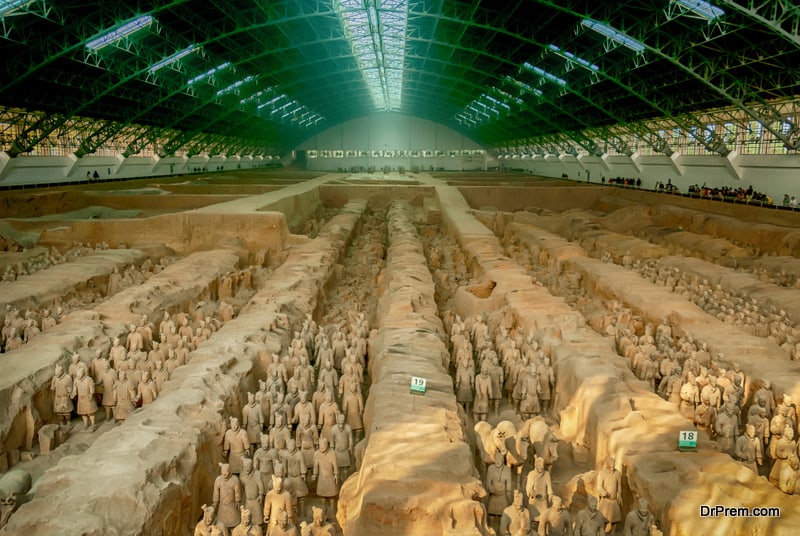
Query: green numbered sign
[[418, 385], [687, 440]]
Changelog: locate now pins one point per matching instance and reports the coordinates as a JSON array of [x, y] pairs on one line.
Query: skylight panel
[[614, 35], [6, 6], [702, 9], [174, 57], [120, 32], [209, 73], [544, 74], [569, 56], [377, 38]]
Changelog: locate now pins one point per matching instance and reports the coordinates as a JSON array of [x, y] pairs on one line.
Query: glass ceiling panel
[[376, 30]]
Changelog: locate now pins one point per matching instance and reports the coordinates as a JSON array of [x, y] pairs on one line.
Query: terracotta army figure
[[326, 418], [608, 489], [147, 391], [785, 448], [264, 460], [206, 526], [342, 444], [529, 402], [295, 470], [326, 473], [106, 380], [353, 409], [556, 521], [483, 393], [48, 321], [159, 375], [308, 436], [83, 388], [246, 527], [710, 398], [328, 377], [280, 433], [227, 497], [74, 365], [252, 419], [516, 519], [277, 500], [499, 486], [787, 480], [135, 341], [304, 373], [61, 385], [639, 521], [252, 487], [124, 397], [748, 448], [690, 396], [284, 526], [589, 522], [465, 379], [117, 353], [279, 407], [727, 427], [318, 526], [13, 341], [304, 407], [97, 364], [235, 446], [496, 374], [538, 488], [547, 380]]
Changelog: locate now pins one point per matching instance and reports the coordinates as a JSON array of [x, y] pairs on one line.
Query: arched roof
[[273, 73]]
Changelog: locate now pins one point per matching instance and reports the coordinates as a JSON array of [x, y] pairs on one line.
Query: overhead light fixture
[[9, 5], [544, 74], [377, 38], [523, 86], [173, 58], [236, 85], [701, 9], [569, 56], [209, 73], [120, 32], [614, 35], [257, 95]]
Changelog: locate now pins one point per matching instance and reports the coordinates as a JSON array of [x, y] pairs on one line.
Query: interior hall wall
[[392, 132]]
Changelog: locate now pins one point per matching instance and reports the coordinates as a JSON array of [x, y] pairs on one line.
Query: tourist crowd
[[727, 193]]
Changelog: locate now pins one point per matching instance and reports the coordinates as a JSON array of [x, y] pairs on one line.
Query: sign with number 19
[[418, 385]]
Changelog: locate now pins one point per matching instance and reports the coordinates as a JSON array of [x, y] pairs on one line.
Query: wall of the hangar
[[61, 169], [773, 175], [394, 140]]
